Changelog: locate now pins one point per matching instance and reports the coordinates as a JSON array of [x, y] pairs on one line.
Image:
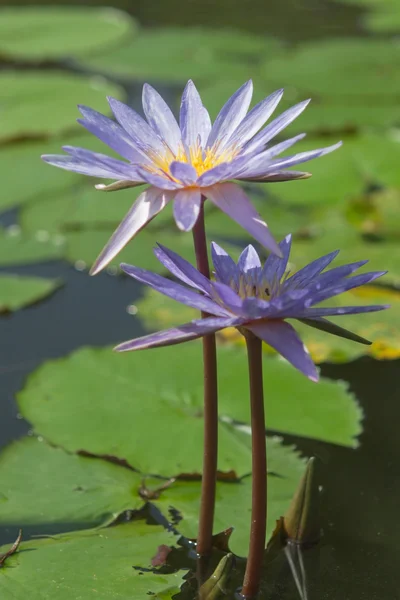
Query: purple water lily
[[255, 297], [188, 161]]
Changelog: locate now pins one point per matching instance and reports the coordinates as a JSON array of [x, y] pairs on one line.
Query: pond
[[88, 436]]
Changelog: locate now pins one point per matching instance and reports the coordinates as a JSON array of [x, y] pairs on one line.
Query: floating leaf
[[43, 485], [17, 249], [360, 87], [40, 104], [233, 500], [110, 563], [17, 291], [124, 393], [117, 400], [294, 404], [48, 32], [178, 54]]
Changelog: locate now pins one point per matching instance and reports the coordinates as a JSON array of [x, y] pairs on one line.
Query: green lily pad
[[17, 249], [126, 394], [48, 32], [155, 404], [110, 563], [325, 411], [82, 491], [41, 104], [46, 485], [178, 54], [357, 68], [17, 291], [233, 500]]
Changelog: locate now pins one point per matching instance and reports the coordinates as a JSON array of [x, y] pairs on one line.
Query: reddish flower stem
[[210, 456], [252, 576]]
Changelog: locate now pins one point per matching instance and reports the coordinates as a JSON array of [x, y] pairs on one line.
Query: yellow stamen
[[201, 160]]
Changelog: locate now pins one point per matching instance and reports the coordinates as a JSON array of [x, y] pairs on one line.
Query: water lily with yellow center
[[189, 161], [255, 297]]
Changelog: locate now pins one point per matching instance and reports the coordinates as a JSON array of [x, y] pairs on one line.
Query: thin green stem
[[209, 477], [252, 576]]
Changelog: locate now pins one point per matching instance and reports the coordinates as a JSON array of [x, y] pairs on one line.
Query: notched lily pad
[[233, 500], [107, 563], [17, 291], [122, 390], [43, 485]]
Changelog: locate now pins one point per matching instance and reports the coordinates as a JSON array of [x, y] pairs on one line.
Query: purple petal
[[225, 267], [143, 136], [92, 164], [305, 275], [346, 284], [260, 165], [182, 269], [174, 290], [231, 115], [146, 207], [276, 126], [333, 275], [302, 157], [229, 298], [109, 132], [160, 117], [221, 172], [257, 308], [177, 335], [184, 172], [312, 313], [249, 260], [194, 119], [95, 158], [187, 208], [256, 119], [284, 339], [230, 198], [275, 267], [163, 182], [329, 327]]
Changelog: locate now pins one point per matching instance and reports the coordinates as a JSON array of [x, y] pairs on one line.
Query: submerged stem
[[210, 452], [252, 576]]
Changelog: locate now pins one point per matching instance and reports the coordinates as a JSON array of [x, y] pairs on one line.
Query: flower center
[[249, 285], [201, 159]]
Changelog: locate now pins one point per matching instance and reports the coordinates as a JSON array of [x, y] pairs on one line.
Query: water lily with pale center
[[190, 161], [259, 298]]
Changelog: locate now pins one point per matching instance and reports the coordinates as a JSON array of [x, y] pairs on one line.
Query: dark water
[[359, 553]]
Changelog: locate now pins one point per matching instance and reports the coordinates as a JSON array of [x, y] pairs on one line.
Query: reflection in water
[[294, 555]]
